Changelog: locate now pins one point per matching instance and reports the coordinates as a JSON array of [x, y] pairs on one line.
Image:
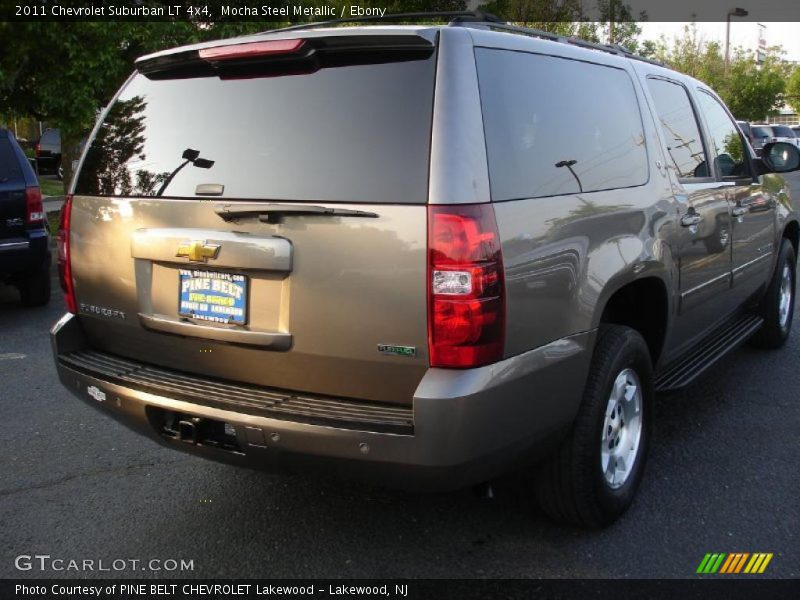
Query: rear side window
[[9, 165], [781, 131], [679, 126], [358, 133], [557, 126], [50, 136], [761, 132]]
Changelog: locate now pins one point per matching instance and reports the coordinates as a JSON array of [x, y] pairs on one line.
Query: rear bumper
[[468, 426], [25, 255]]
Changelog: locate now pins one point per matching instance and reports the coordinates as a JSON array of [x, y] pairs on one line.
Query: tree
[[750, 90], [65, 73], [619, 24], [793, 89], [754, 91], [692, 56], [615, 22], [565, 18]]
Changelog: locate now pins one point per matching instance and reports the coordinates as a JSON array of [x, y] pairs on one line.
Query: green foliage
[[750, 90], [753, 91], [616, 24], [793, 89], [51, 187], [65, 73], [619, 23]]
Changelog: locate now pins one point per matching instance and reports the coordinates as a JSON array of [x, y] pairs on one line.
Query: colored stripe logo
[[735, 562]]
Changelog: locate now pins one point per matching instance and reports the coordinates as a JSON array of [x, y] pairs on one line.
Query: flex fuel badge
[[397, 350]]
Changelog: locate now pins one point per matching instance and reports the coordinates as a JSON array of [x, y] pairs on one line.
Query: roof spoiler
[[281, 56]]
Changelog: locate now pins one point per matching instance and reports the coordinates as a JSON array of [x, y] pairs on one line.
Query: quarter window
[[680, 129], [557, 126]]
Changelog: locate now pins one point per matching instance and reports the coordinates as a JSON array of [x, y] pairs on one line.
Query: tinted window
[[680, 129], [731, 156], [351, 134], [50, 136], [761, 132], [9, 166], [781, 131], [557, 126], [744, 127]]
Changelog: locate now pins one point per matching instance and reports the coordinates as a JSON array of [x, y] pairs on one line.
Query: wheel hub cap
[[622, 429]]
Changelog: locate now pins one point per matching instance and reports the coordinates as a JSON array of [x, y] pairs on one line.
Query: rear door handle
[[690, 219]]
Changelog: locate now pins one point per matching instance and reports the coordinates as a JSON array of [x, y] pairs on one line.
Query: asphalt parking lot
[[722, 477]]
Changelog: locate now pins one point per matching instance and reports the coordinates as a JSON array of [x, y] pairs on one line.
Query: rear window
[[781, 131], [358, 133], [558, 126], [50, 136], [9, 165], [760, 132]]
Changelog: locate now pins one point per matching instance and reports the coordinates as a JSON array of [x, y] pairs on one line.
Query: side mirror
[[779, 157]]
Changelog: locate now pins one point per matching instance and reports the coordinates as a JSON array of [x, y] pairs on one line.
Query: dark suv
[[24, 240], [425, 255], [48, 152]]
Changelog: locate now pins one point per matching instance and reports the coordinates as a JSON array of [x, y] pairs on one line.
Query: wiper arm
[[273, 213]]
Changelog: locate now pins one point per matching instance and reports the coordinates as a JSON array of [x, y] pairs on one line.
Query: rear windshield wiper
[[273, 213]]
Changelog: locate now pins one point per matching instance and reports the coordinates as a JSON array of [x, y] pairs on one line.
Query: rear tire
[[777, 305], [593, 476], [35, 291]]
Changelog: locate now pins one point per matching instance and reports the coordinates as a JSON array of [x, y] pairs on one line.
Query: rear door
[[265, 221]]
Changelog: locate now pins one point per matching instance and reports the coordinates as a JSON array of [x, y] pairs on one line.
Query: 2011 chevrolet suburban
[[421, 254]]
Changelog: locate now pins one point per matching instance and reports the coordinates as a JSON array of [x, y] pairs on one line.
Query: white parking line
[[12, 356]]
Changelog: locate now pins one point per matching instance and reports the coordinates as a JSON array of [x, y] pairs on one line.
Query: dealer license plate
[[213, 296]]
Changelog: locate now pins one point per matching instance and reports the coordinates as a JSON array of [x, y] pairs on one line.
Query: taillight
[[251, 50], [38, 150], [34, 209], [466, 303], [64, 265]]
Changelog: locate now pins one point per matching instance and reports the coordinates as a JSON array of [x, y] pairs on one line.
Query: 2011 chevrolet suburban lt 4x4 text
[[421, 254]]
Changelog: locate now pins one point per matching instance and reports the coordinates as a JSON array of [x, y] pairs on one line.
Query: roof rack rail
[[548, 35], [458, 16], [474, 19]]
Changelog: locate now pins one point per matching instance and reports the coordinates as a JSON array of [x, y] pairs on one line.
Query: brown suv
[[422, 254]]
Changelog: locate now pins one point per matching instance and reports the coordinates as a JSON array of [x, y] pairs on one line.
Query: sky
[[743, 34]]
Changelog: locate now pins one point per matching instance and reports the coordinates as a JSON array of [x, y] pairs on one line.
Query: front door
[[753, 211]]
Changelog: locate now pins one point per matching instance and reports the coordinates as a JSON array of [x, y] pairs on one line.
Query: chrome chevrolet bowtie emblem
[[198, 250]]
